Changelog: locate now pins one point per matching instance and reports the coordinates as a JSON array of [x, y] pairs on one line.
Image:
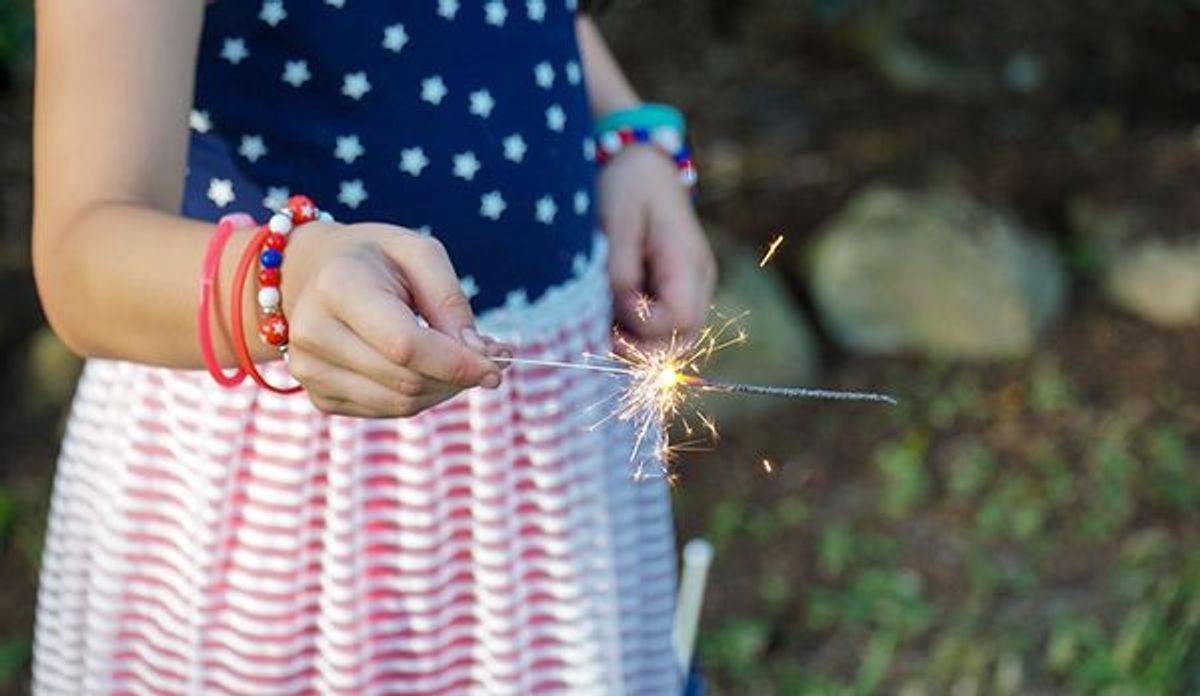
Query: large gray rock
[[936, 272], [780, 347], [1154, 277]]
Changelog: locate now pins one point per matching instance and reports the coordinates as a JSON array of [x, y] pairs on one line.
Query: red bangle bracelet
[[249, 255], [208, 279]]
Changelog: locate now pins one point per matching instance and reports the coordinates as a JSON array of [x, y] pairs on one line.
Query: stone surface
[[1154, 277], [935, 272], [780, 348]]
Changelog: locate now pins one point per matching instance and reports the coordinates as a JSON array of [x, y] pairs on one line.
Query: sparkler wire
[[725, 387]]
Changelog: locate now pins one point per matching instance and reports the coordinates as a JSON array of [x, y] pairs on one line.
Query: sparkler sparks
[[661, 381], [774, 247]]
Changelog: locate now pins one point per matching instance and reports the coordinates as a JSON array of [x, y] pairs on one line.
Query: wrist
[[308, 246]]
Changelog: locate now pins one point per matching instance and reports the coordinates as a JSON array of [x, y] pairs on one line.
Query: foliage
[[16, 31]]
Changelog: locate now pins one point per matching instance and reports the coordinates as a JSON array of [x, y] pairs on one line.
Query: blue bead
[[641, 135], [685, 153], [271, 258]]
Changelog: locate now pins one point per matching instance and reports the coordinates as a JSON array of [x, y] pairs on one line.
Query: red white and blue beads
[[273, 328], [665, 139]]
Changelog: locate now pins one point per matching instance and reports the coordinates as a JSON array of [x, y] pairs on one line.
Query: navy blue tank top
[[464, 119]]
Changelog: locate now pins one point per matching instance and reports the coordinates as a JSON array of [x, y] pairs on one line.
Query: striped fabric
[[206, 541]]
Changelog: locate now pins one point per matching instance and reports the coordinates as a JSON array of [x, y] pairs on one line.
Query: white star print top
[[465, 119]]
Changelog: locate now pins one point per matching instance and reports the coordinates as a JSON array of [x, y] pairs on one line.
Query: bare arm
[[608, 88], [656, 247], [112, 261], [117, 268]]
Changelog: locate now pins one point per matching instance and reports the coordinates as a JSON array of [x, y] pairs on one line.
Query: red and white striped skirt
[[204, 540]]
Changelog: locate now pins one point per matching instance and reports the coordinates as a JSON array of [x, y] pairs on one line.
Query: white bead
[[668, 139], [324, 216], [269, 298], [689, 177], [611, 142], [280, 223]]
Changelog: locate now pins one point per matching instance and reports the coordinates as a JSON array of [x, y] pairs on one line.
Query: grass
[[1026, 528]]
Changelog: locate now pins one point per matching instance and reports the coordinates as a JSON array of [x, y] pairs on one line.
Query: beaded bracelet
[[664, 138], [267, 247], [208, 279]]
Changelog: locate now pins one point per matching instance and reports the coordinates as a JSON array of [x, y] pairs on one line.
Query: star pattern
[[413, 161], [480, 136], [546, 210], [295, 72], [252, 147], [352, 193], [492, 205], [272, 12], [433, 90], [220, 192], [395, 38], [348, 148], [200, 121], [543, 74], [466, 165], [355, 85], [447, 9], [234, 50], [495, 13], [556, 118], [514, 148], [574, 72], [276, 197], [482, 103]]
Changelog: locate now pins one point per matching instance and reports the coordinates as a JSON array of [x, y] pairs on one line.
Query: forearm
[[121, 281], [608, 88]]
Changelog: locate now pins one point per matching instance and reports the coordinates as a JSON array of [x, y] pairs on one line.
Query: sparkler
[[660, 381]]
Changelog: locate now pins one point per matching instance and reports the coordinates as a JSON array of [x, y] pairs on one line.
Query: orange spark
[[771, 251]]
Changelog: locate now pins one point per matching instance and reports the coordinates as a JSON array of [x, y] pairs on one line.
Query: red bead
[[275, 241], [601, 157], [269, 277], [626, 136], [303, 209], [273, 330]]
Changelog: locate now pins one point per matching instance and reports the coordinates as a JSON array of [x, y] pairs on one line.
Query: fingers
[[379, 316], [339, 391], [682, 276], [626, 269], [328, 340], [434, 285]]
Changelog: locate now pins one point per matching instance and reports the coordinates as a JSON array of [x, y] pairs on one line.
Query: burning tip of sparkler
[[767, 466]]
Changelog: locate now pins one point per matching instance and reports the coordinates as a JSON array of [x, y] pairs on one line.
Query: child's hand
[[660, 264], [356, 344]]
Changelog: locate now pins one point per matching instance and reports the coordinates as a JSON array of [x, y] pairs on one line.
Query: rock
[[780, 348], [1154, 277], [933, 272]]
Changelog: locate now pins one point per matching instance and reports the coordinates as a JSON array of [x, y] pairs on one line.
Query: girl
[[421, 523]]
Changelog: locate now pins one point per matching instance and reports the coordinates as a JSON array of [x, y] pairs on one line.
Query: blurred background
[[990, 209]]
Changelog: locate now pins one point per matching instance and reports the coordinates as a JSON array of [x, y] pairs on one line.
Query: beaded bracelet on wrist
[[665, 139]]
